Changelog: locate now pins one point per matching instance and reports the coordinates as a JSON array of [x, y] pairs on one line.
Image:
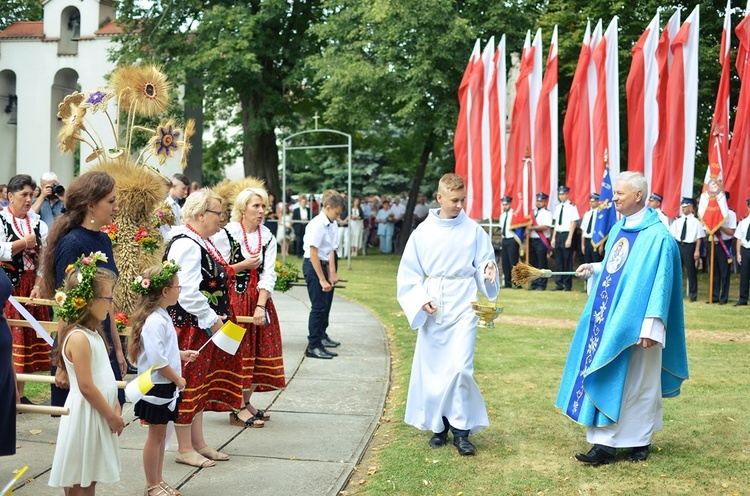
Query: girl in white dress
[[154, 343], [87, 449]]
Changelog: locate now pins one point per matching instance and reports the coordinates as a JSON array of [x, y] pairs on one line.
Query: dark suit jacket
[[299, 228]]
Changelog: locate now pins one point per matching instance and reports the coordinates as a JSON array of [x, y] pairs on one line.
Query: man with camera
[[50, 203]]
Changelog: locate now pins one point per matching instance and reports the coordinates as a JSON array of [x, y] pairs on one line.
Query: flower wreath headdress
[[145, 285], [71, 302]]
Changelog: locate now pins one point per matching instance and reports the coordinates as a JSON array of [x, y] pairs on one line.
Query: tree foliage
[[19, 10]]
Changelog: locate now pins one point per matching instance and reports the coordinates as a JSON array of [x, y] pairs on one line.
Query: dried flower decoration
[[97, 100], [186, 146], [64, 110], [165, 142]]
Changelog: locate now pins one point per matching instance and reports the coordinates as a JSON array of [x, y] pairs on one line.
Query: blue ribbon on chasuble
[[607, 286]]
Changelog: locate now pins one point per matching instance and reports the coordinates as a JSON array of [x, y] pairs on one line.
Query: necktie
[[559, 219], [505, 224], [747, 235], [590, 224], [683, 234]]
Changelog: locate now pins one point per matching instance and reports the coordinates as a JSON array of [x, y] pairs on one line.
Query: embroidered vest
[[14, 268], [213, 286], [244, 277]]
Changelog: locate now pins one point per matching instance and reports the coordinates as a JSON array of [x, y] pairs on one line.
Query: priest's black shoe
[[330, 343], [319, 352], [598, 455], [439, 439], [638, 454], [740, 304], [464, 446]]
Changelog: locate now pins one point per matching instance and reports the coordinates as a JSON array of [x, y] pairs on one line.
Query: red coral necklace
[[247, 245]]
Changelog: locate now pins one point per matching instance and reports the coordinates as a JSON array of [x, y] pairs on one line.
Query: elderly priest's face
[[627, 200]]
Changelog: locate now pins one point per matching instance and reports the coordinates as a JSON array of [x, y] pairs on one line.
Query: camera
[[57, 189]]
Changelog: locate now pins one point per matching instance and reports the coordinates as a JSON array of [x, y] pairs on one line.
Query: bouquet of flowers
[[121, 321], [163, 215], [145, 240], [286, 274], [111, 231]]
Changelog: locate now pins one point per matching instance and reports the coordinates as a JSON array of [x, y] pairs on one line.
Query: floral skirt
[[213, 380], [260, 351], [30, 352]]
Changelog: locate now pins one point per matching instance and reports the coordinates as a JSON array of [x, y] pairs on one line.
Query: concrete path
[[320, 424]]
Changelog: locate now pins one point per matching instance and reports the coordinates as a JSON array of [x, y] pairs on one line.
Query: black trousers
[[538, 259], [320, 304], [688, 262], [591, 255], [509, 258], [720, 290], [563, 261], [744, 274]]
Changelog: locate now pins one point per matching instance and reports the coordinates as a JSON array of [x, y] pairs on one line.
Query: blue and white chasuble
[[640, 278]]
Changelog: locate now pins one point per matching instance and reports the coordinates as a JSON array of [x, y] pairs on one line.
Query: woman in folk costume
[[22, 238], [246, 240], [201, 310], [447, 259]]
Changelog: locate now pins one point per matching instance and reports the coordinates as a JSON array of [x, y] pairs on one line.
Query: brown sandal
[[252, 422]]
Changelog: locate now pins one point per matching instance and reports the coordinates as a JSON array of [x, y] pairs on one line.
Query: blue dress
[[7, 385], [81, 241]]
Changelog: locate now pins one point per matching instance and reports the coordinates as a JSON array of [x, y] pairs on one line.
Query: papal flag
[[228, 338]]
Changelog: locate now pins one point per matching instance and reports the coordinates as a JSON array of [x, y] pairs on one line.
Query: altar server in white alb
[[446, 259]]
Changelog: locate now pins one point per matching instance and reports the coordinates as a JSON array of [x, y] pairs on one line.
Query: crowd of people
[[565, 236], [214, 268]]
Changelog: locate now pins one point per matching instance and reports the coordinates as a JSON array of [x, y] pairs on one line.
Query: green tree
[[245, 53], [19, 10], [400, 63]]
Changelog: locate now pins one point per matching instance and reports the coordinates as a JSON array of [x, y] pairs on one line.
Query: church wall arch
[[70, 31], [65, 82], [8, 123]]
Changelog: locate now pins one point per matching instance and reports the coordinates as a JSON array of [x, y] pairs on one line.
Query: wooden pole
[[44, 409], [711, 270], [51, 380]]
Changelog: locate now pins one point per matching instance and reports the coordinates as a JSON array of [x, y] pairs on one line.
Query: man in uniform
[[628, 351], [588, 225], [538, 246], [654, 201], [688, 231], [565, 220], [510, 245], [742, 235], [722, 259]]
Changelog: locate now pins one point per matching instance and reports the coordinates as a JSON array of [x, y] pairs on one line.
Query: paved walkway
[[320, 424]]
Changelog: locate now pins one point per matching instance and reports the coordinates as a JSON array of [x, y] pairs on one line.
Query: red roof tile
[[24, 29], [108, 29]]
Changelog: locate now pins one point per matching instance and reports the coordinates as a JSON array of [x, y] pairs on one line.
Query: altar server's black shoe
[[464, 446], [639, 454], [329, 343], [439, 439], [598, 455]]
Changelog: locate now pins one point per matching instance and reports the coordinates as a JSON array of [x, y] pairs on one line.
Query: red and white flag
[[546, 129], [498, 97], [641, 90], [577, 128], [605, 123], [664, 59], [521, 136], [682, 114], [462, 139], [712, 208], [738, 167]]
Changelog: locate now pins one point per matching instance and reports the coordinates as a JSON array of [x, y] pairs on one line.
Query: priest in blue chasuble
[[628, 351]]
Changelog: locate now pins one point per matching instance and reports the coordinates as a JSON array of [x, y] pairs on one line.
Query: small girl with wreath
[[153, 343], [87, 449]]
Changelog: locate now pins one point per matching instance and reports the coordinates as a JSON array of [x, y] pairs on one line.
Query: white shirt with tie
[[543, 218], [588, 223], [565, 214], [693, 231], [731, 223], [505, 222], [741, 233]]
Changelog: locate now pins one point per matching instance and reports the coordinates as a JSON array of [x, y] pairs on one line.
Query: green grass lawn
[[704, 447]]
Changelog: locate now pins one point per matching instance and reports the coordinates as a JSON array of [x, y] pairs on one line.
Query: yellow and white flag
[[228, 338], [137, 389], [8, 489]]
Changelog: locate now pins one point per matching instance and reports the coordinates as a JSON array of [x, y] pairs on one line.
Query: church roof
[[23, 29], [109, 28]]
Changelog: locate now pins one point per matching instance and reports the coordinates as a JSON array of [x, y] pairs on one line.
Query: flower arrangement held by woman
[[90, 204], [246, 239], [22, 237], [201, 309]]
